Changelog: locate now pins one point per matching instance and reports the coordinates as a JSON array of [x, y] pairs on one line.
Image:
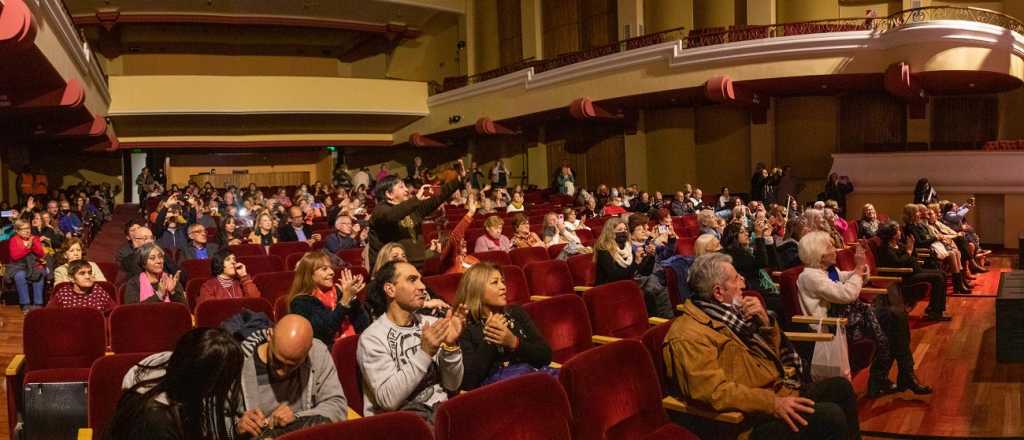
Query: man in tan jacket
[[725, 352]]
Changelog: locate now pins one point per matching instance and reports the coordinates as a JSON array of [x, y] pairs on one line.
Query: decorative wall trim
[[969, 171], [174, 112], [253, 144], [67, 34]]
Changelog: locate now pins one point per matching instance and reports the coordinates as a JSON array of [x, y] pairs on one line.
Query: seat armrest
[[809, 336], [679, 307], [654, 320], [806, 319], [874, 291], [671, 403], [539, 297], [885, 279], [895, 269], [16, 364], [351, 414], [776, 274], [582, 288], [602, 340], [84, 434], [555, 365]]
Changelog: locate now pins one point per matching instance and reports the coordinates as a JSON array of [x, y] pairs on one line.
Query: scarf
[[623, 256], [328, 298], [747, 331], [146, 289]]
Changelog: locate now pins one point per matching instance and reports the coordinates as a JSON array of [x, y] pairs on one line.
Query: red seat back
[[148, 327], [257, 264], [274, 285], [556, 249], [105, 380], [241, 250], [790, 293], [499, 258], [197, 268], [582, 269], [213, 312], [523, 256], [109, 271], [286, 248], [70, 337], [354, 256], [564, 323], [517, 291], [280, 307], [684, 246], [672, 284], [617, 309], [539, 410], [394, 425], [850, 235], [549, 277], [192, 290], [351, 378], [653, 339], [586, 236], [443, 286], [845, 258], [292, 260]]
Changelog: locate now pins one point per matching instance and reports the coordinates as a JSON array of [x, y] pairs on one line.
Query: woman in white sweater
[[826, 291]]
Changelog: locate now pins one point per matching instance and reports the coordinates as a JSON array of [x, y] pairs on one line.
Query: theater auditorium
[[512, 219]]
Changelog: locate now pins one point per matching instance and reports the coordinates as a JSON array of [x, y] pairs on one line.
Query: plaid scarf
[[748, 333]]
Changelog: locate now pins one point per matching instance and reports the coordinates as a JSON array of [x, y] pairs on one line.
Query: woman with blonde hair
[[332, 307], [389, 252], [706, 243], [263, 230], [73, 250], [500, 341]]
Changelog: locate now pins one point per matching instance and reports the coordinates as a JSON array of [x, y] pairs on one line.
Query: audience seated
[[706, 243], [343, 236], [229, 232], [332, 308], [868, 224], [28, 265], [72, 251], [451, 246], [264, 233], [81, 289], [522, 236], [493, 239], [892, 252], [197, 247], [915, 223], [150, 283], [230, 280]]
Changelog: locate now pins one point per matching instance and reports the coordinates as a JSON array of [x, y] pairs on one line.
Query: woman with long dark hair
[[190, 393]]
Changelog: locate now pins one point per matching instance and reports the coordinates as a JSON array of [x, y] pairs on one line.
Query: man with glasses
[[288, 381], [343, 236], [197, 248], [138, 236], [297, 229]]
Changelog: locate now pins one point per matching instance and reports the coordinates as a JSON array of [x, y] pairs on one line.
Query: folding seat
[[684, 246], [291, 261], [586, 236], [109, 270], [615, 394], [257, 264], [672, 284], [192, 289], [499, 258], [564, 323], [197, 268], [617, 310], [523, 256], [472, 234], [241, 250], [690, 225], [284, 248], [850, 236], [582, 269], [555, 250], [60, 346], [443, 286], [212, 233], [274, 285], [530, 407], [517, 291], [280, 307], [148, 327], [549, 278], [349, 374], [213, 312], [398, 425], [354, 256], [105, 378]]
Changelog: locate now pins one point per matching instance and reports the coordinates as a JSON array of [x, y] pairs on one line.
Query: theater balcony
[[52, 90]]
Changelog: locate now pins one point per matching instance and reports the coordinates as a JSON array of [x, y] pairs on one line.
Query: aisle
[[111, 237]]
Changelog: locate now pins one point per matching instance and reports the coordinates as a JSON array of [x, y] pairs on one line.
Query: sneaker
[[937, 317]]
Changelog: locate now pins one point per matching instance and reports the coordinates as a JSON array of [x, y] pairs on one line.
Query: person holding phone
[[230, 280]]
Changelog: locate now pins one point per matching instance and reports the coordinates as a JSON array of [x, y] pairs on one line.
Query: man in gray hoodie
[[288, 381]]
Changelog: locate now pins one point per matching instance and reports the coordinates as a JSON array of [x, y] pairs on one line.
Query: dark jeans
[[834, 418], [937, 297]]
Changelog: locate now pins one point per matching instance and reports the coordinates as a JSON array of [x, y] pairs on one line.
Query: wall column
[[636, 154], [660, 15], [470, 37], [761, 12], [762, 141], [530, 20], [631, 18], [537, 170], [713, 13]]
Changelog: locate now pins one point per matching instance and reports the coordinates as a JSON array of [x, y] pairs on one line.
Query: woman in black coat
[[891, 253]]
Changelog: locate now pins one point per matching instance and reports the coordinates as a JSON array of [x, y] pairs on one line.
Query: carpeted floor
[[111, 237]]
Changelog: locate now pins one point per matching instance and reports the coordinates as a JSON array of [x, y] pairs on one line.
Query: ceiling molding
[[107, 19]]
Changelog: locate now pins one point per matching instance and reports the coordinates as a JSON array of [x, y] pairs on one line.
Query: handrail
[[713, 36]]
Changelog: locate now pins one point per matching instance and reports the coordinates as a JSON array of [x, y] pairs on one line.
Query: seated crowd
[[726, 347]]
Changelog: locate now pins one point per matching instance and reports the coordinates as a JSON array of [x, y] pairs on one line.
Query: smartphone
[[7, 214], [663, 229]]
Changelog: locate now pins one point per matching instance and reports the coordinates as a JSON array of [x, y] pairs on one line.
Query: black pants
[[937, 297], [834, 418]]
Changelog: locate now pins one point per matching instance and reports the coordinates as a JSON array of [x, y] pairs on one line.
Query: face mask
[[621, 238]]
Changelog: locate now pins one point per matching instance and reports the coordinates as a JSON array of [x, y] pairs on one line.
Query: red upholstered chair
[[684, 246], [582, 269], [549, 278], [109, 271], [351, 378], [354, 256], [105, 379], [527, 407], [499, 258], [213, 312], [286, 248], [564, 323], [586, 236], [192, 289], [556, 249], [615, 394], [274, 285], [241, 250], [197, 268], [523, 256], [850, 236], [672, 284], [257, 264], [617, 310], [517, 291], [60, 346], [291, 261], [148, 327], [443, 286], [397, 425], [280, 307]]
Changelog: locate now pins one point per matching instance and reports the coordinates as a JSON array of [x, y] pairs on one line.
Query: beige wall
[[231, 65], [432, 56], [486, 48], [319, 170], [806, 129], [713, 13], [806, 10], [671, 148], [660, 15], [722, 147]]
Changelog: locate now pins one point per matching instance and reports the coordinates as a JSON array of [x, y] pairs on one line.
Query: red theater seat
[[564, 323], [517, 291], [241, 250], [354, 256], [258, 264], [523, 256], [617, 309], [527, 407], [443, 286], [286, 248], [351, 378], [549, 278], [274, 285], [109, 271], [390, 426], [105, 380], [148, 327], [192, 290], [197, 268], [213, 312], [583, 269], [499, 258]]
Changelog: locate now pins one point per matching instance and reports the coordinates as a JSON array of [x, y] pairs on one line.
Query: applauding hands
[[443, 332]]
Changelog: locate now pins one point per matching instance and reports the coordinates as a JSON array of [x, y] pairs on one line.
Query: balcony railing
[[720, 35]]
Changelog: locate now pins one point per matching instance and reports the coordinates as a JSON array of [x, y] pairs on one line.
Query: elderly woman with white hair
[[706, 243], [826, 291], [818, 220]]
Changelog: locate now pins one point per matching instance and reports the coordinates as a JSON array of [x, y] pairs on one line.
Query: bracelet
[[450, 348]]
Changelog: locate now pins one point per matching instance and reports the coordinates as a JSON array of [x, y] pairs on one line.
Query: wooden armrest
[[539, 297], [602, 340], [895, 269], [884, 278], [654, 320], [671, 403], [582, 288], [679, 307], [809, 336], [14, 367], [555, 365], [351, 415], [874, 290], [84, 434], [776, 274], [806, 319]]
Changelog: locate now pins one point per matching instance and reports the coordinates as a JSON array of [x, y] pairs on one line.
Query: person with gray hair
[[726, 352], [152, 283], [827, 291]]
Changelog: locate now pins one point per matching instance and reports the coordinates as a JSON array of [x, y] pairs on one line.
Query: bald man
[[288, 381]]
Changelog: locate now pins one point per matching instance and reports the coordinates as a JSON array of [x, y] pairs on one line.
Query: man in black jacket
[[197, 247], [297, 229]]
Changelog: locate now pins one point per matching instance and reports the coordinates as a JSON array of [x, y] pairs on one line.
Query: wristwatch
[[450, 348]]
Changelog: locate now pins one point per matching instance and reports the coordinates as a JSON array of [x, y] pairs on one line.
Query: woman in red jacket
[[27, 265], [230, 280]]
